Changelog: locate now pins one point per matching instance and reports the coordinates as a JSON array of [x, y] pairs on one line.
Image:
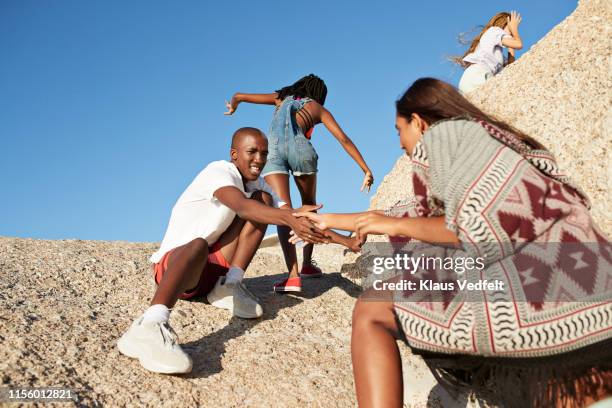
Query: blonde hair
[[499, 20]]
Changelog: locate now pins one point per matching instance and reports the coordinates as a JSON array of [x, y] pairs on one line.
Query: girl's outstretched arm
[[265, 99], [330, 123]]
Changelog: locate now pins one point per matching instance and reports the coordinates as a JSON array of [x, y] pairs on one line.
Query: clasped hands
[[303, 229], [363, 224]]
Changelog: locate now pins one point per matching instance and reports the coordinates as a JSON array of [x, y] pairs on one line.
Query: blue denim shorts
[[289, 152]]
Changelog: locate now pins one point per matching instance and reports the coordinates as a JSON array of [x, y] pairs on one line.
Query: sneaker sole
[[285, 289], [224, 303], [241, 315], [127, 350], [162, 369], [227, 305]]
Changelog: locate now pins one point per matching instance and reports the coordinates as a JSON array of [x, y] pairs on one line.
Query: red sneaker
[[311, 271], [288, 285]]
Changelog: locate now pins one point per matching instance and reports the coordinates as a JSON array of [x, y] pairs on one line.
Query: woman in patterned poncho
[[495, 192]]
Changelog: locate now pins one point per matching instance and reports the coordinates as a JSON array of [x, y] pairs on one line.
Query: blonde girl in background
[[485, 57]]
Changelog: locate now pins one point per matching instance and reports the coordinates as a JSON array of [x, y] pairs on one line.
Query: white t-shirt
[[198, 213], [489, 51]]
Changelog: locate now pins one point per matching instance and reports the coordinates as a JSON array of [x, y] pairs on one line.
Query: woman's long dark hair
[[310, 86], [434, 100]]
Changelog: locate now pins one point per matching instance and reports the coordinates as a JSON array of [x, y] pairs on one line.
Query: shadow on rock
[[207, 351], [439, 397]]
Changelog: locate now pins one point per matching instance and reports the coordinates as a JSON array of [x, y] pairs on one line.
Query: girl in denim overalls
[[299, 107]]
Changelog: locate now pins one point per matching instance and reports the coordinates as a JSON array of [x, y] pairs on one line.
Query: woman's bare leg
[[280, 185], [307, 186], [377, 366]]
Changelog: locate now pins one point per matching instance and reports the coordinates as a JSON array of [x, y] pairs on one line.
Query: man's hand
[[306, 231], [316, 219], [295, 239]]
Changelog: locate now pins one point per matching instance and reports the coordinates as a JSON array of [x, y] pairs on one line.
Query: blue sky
[[109, 109]]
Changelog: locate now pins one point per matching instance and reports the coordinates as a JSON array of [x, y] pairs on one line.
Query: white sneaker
[[236, 297], [156, 346]]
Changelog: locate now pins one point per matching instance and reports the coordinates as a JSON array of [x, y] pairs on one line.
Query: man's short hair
[[244, 132]]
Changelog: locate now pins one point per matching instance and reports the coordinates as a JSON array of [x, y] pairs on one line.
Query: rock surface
[[63, 304]]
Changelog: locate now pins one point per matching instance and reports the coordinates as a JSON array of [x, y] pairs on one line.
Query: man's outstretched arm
[[252, 210]]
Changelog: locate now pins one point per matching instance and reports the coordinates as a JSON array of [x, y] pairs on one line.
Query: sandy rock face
[[64, 304], [559, 92]]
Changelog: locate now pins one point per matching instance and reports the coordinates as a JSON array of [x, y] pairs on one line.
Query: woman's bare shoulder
[[314, 108]]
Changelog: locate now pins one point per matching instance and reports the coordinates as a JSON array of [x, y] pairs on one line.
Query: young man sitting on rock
[[214, 231]]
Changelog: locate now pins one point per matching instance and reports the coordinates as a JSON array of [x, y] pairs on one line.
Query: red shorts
[[216, 267]]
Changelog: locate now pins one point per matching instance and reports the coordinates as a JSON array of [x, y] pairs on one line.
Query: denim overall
[[289, 150]]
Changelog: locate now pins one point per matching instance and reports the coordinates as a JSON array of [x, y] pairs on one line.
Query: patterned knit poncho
[[510, 205]]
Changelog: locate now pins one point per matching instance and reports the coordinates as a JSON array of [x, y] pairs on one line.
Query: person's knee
[[362, 315], [262, 197], [198, 247], [371, 313]]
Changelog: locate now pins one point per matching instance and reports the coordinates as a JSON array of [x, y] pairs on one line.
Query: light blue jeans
[[288, 149], [474, 76]]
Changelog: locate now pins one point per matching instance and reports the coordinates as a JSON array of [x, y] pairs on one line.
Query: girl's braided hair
[[310, 86]]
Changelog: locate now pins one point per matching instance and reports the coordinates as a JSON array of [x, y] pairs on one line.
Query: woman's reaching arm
[[345, 222], [330, 123], [264, 99], [427, 229]]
